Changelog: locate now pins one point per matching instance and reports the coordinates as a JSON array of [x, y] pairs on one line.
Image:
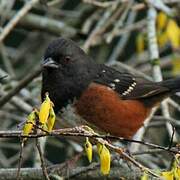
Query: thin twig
[[100, 4], [122, 40], [75, 132], [43, 165], [100, 24], [12, 23], [20, 158], [6, 60], [21, 85], [127, 29], [171, 140], [44, 24], [174, 104], [121, 20], [159, 4]]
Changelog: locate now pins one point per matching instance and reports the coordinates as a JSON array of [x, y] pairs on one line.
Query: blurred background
[[114, 32]]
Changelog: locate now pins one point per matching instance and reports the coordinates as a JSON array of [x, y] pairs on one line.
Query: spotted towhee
[[115, 102]]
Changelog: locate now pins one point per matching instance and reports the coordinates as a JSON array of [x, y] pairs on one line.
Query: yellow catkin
[[28, 127], [176, 66], [161, 20], [140, 44], [177, 172], [51, 119], [105, 158], [44, 110], [168, 175], [88, 149], [173, 32], [176, 167], [162, 39]]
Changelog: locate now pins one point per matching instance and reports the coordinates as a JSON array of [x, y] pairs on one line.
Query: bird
[[115, 102]]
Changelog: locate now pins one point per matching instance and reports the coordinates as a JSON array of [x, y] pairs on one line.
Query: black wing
[[127, 85]]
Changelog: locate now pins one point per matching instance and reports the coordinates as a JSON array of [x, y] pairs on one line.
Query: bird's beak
[[49, 63]]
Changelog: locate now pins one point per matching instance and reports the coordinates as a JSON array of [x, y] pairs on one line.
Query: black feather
[[172, 84]]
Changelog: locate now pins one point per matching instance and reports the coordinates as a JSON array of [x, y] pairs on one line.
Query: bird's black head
[[67, 71], [62, 53]]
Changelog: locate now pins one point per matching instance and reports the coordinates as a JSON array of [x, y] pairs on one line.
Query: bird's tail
[[172, 84]]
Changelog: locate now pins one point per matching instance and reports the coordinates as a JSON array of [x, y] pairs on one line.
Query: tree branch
[[17, 18], [22, 84]]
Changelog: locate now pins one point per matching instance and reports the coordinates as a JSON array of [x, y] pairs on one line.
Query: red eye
[[67, 59]]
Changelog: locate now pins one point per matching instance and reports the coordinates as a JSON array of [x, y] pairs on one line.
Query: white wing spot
[[134, 84], [130, 88], [112, 85], [116, 80], [103, 71], [124, 93]]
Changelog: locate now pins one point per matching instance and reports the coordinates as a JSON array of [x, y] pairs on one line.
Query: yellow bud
[[28, 127], [176, 167], [173, 32], [88, 149], [140, 44], [162, 39], [99, 148], [44, 110], [105, 158], [161, 20], [177, 173], [168, 175], [51, 119], [176, 66]]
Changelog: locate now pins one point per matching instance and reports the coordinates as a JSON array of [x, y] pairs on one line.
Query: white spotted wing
[[127, 85]]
